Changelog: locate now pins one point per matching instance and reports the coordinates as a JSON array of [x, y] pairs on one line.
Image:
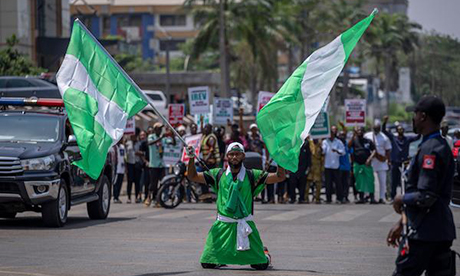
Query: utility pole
[[224, 70]]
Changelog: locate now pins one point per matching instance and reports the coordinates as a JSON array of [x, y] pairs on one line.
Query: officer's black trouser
[[270, 189], [298, 181], [333, 175], [345, 178], [395, 178], [432, 257]]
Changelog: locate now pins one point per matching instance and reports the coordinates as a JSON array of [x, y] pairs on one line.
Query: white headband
[[234, 144]]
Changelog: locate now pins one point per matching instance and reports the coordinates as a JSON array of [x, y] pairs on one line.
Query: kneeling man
[[233, 238]]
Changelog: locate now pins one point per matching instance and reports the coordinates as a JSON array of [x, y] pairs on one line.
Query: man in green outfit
[[233, 238]]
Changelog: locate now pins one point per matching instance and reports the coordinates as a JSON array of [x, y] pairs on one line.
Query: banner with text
[[199, 99], [172, 154], [176, 113], [192, 141], [207, 117], [263, 99], [223, 111], [355, 112], [130, 126], [321, 127]]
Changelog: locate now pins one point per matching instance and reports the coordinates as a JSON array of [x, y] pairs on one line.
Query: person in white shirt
[[333, 148], [380, 161]]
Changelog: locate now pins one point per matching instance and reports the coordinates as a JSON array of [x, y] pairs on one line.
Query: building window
[[174, 44], [172, 20]]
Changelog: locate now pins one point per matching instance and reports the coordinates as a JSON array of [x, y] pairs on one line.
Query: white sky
[[439, 15]]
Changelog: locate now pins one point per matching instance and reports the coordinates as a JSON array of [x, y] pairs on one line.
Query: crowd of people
[[350, 166]]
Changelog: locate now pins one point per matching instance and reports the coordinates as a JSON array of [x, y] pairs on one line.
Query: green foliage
[[436, 68], [134, 63], [398, 113], [13, 63]]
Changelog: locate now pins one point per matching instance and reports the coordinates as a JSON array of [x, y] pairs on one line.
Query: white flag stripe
[[110, 116], [323, 68]]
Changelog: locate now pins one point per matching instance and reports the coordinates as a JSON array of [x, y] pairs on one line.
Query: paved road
[[303, 240]]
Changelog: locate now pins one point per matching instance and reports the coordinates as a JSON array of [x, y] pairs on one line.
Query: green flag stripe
[[351, 36], [106, 76], [93, 141]]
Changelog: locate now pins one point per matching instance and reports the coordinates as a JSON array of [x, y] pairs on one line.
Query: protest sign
[[355, 112], [223, 111], [263, 99], [199, 99], [192, 141], [176, 113], [321, 127], [130, 126], [207, 117], [172, 154]]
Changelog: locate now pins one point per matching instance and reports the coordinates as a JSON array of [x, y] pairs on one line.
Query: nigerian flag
[[286, 120], [99, 97]]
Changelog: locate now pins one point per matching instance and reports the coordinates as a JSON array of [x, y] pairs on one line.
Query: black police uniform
[[427, 198], [299, 179]]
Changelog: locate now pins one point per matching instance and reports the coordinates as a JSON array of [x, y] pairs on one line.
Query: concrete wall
[[15, 19]]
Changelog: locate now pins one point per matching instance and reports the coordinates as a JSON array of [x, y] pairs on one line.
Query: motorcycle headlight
[[177, 170], [39, 164]]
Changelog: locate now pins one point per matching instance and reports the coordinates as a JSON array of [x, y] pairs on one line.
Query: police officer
[[428, 193]]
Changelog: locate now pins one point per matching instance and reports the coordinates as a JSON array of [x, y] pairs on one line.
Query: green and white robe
[[234, 201]]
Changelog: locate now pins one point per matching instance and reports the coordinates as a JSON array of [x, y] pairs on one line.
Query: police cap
[[432, 106]]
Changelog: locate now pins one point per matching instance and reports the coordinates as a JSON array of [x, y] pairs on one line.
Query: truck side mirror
[[72, 141]]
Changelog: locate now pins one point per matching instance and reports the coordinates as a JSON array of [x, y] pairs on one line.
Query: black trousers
[[155, 174], [298, 181], [395, 178], [270, 190], [432, 257], [117, 186], [134, 176], [345, 178], [146, 181], [333, 176]]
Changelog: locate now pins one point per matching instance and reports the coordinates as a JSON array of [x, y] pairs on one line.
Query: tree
[[13, 63], [389, 36]]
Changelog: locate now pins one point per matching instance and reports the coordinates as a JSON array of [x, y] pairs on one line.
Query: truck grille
[[9, 188], [10, 166]]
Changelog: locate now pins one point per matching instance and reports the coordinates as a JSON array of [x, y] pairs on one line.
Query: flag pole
[[145, 97]]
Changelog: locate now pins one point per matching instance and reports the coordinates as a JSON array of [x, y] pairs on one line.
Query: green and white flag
[[286, 120], [99, 97]]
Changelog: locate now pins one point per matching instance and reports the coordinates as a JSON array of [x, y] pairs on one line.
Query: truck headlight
[[39, 164]]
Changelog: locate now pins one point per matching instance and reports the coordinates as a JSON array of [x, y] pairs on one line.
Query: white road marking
[[291, 215], [177, 214], [347, 215]]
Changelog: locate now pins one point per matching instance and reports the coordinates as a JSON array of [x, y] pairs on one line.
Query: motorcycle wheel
[[170, 195]]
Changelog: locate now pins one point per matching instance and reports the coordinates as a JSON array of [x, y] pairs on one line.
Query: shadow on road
[[36, 223]]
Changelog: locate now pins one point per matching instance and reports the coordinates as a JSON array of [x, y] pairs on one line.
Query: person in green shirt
[[233, 238]]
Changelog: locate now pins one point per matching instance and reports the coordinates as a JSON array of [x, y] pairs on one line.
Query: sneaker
[[138, 200], [338, 202], [147, 202], [381, 201], [117, 201], [128, 201]]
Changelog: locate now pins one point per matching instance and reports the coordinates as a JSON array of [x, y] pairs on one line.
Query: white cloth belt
[[243, 231]]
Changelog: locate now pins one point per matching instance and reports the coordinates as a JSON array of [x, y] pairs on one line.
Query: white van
[[159, 101]]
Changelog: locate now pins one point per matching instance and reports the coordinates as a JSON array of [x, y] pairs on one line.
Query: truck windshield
[[23, 128]]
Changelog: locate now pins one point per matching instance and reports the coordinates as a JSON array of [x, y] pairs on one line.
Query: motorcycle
[[173, 187]]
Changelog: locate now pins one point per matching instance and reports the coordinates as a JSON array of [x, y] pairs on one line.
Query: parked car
[[25, 87], [37, 149], [159, 101]]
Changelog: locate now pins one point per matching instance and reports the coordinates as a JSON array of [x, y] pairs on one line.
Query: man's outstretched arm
[[277, 177], [192, 174]]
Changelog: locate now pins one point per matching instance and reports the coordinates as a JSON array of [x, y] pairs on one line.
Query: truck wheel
[[8, 215], [54, 213], [99, 209]]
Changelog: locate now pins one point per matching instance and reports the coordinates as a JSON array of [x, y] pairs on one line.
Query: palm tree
[[388, 36]]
